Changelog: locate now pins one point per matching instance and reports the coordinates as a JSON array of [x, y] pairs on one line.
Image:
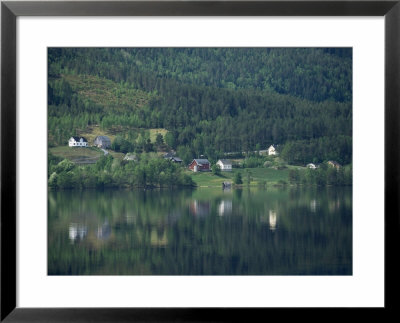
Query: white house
[[271, 150], [77, 142], [311, 166], [225, 165]]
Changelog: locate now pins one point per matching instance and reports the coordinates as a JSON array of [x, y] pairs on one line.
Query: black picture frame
[[10, 10]]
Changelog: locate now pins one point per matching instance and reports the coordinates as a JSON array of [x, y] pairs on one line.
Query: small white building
[[271, 150], [77, 142], [311, 166], [225, 165], [130, 156]]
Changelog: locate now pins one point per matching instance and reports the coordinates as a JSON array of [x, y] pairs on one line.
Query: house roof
[[225, 161], [105, 138], [169, 154], [130, 156], [79, 138], [201, 161], [177, 159]]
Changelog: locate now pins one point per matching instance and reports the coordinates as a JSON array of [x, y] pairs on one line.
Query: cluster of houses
[[99, 141], [203, 165], [330, 163], [197, 165]]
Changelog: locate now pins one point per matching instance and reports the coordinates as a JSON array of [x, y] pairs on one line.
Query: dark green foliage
[[324, 175], [248, 176], [302, 152], [159, 139], [216, 169], [52, 160], [185, 153], [122, 145], [316, 74], [253, 161], [171, 138], [108, 172], [238, 178], [294, 176]]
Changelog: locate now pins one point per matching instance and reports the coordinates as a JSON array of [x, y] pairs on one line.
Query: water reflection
[[158, 237], [104, 231], [77, 232], [201, 232], [200, 208], [313, 205], [225, 207], [272, 220]]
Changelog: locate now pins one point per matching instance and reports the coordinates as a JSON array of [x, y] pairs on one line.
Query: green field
[[257, 175], [82, 154], [75, 153]]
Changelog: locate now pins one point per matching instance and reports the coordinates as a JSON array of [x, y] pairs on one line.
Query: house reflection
[[131, 218], [272, 220], [77, 232], [313, 206], [158, 237], [225, 207], [174, 216], [104, 231], [200, 208], [334, 205]]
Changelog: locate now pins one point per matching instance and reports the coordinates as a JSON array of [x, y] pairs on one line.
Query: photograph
[[200, 161], [191, 161]]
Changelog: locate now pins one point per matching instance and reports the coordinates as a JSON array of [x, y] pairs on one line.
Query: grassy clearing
[[154, 132], [258, 175], [106, 92], [116, 155], [269, 175], [208, 178], [75, 153], [82, 153], [91, 132]]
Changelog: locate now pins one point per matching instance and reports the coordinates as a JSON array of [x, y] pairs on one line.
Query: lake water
[[207, 231]]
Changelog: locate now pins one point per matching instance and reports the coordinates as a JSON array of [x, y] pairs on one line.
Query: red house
[[200, 165]]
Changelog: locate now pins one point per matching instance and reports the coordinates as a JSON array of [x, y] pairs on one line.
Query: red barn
[[200, 165]]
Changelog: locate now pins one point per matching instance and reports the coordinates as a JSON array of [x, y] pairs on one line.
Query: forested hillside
[[210, 100]]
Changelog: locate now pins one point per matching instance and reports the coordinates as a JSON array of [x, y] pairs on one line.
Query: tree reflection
[[202, 232]]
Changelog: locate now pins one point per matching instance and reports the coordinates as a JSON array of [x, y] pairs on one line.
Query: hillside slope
[[207, 101]]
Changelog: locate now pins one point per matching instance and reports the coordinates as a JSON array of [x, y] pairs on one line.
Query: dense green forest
[[210, 100]]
